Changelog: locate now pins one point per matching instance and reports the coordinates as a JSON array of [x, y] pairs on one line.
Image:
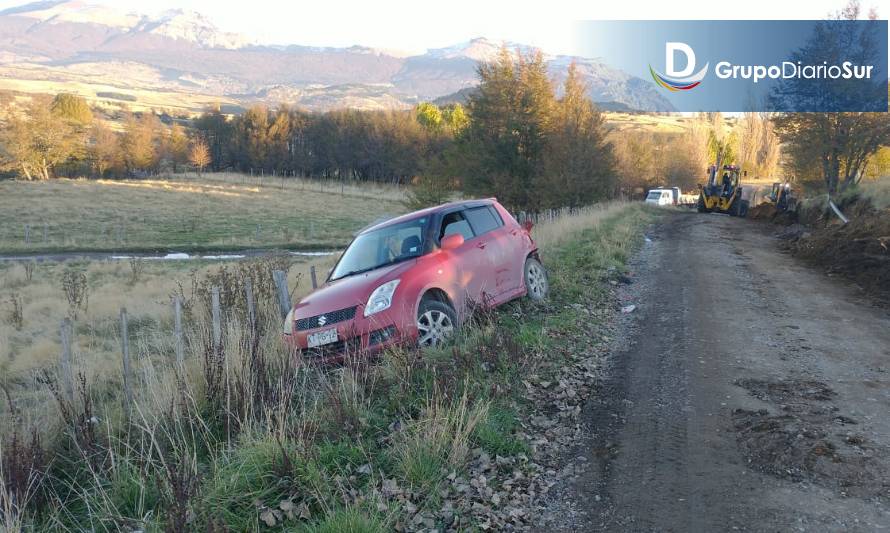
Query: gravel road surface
[[749, 393]]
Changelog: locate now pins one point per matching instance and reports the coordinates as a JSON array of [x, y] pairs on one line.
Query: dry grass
[[186, 212], [25, 352], [878, 191], [551, 234], [369, 190], [652, 123], [96, 349]]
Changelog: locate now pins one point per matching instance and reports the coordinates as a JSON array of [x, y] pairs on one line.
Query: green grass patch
[[351, 520], [496, 433]]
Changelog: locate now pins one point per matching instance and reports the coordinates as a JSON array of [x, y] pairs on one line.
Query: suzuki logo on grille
[[322, 320]]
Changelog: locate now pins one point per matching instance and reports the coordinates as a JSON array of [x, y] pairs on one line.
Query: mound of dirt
[[767, 212], [859, 250], [764, 211]]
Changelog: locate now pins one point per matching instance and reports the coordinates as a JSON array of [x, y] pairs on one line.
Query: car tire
[[537, 285], [700, 205], [436, 323]]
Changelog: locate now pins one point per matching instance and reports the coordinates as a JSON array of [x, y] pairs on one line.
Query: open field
[[183, 213], [651, 122]]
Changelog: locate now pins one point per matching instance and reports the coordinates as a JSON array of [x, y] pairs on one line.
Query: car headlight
[[289, 322], [381, 298]]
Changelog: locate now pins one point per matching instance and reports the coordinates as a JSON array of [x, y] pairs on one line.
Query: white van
[[660, 197]]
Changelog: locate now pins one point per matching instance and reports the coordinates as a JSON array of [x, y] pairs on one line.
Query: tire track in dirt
[[729, 335]]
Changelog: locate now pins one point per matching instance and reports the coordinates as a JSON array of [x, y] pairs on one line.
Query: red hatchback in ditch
[[414, 278]]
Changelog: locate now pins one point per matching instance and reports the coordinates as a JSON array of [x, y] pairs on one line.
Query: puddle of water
[[175, 256], [179, 256]]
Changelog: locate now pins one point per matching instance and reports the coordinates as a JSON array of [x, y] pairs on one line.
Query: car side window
[[455, 223], [482, 220], [496, 215]]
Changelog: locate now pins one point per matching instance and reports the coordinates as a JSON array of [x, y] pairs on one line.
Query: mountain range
[[181, 60]]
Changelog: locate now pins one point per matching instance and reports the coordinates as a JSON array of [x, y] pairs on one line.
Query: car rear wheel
[[436, 322], [536, 284]]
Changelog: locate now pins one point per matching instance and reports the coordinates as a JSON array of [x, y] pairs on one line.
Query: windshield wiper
[[354, 272], [363, 270]]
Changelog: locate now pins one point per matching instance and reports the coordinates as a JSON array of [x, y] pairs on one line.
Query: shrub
[[77, 292], [15, 316]]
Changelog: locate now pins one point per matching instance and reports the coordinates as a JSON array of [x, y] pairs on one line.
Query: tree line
[[61, 136], [533, 143], [515, 139]]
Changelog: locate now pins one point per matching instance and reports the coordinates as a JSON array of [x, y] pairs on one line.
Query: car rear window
[[482, 220]]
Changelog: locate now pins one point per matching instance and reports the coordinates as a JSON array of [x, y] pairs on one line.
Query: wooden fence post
[[283, 295], [217, 321], [67, 379], [27, 233], [314, 278], [251, 310], [125, 350], [177, 330]]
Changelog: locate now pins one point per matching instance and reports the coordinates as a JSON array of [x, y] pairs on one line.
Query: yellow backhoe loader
[[723, 195]]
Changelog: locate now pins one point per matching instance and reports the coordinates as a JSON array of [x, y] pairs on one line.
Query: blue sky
[[414, 26]]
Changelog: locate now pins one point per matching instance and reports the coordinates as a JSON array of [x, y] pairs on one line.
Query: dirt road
[[752, 393]]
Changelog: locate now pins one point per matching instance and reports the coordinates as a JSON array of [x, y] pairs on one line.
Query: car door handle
[[480, 245]]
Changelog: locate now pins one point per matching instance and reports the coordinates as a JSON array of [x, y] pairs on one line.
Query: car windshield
[[654, 195], [381, 247]]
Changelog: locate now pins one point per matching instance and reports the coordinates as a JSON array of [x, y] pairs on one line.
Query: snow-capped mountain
[[478, 49], [103, 52], [193, 27], [178, 24]]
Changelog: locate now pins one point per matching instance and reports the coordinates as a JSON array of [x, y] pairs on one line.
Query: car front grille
[[340, 348], [326, 319]]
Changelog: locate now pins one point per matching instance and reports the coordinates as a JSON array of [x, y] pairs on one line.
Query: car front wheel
[[436, 322], [536, 284]]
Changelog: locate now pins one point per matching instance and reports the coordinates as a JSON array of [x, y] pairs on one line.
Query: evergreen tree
[[579, 163]]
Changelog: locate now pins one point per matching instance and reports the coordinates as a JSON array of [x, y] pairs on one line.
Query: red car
[[414, 278]]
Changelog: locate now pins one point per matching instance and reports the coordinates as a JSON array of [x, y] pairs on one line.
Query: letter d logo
[[670, 50], [678, 80]]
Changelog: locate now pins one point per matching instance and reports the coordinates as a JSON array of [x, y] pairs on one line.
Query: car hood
[[349, 291]]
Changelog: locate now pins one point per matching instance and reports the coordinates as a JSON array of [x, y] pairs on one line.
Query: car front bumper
[[357, 337]]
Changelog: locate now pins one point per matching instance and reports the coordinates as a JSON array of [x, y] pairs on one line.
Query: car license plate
[[321, 338]]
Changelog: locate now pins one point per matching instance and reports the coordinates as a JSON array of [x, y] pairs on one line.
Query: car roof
[[428, 212]]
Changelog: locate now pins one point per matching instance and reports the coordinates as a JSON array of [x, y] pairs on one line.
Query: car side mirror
[[450, 242]]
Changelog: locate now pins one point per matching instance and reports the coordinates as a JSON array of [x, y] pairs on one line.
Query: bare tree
[[105, 150], [199, 156]]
